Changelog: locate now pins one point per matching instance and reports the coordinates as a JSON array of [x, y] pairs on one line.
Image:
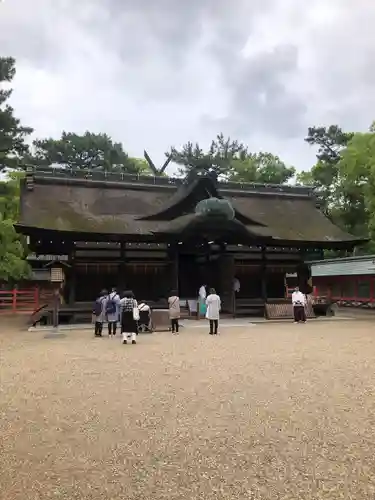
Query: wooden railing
[[19, 301]]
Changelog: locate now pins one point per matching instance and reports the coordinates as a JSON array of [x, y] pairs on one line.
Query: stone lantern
[[57, 278]]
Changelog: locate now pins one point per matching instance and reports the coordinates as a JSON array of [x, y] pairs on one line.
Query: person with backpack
[[99, 312], [112, 311], [174, 311]]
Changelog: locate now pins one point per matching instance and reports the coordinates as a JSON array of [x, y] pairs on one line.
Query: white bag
[[136, 313]]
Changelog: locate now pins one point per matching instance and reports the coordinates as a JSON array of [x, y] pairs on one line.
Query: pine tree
[[13, 265], [12, 134]]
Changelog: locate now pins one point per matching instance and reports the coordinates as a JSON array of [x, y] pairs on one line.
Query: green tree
[[218, 159], [13, 264], [330, 141], [12, 134], [231, 160], [10, 195], [338, 197], [140, 165], [261, 167], [357, 168], [325, 179], [87, 151], [325, 176], [13, 248]]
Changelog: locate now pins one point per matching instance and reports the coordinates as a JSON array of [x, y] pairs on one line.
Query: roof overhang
[[61, 235], [234, 231]]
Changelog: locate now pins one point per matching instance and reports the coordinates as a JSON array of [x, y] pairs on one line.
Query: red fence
[[19, 301]]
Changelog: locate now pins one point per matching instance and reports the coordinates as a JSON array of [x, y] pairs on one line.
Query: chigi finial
[[156, 171]]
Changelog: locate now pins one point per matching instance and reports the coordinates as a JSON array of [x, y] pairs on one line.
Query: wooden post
[[173, 259], [226, 280], [56, 306], [57, 280], [36, 298], [73, 280], [176, 270], [14, 300], [264, 275], [72, 289], [122, 267]]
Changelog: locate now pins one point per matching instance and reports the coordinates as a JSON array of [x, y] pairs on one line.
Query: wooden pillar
[[264, 274], [56, 305], [73, 278], [173, 266], [122, 267], [226, 278], [304, 274]]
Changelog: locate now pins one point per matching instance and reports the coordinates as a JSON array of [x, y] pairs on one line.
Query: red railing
[[19, 301]]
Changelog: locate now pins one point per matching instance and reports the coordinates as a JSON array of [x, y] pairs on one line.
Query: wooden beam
[[157, 171], [166, 163], [150, 163]]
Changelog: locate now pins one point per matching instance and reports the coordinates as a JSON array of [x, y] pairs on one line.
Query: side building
[[348, 281], [154, 234]]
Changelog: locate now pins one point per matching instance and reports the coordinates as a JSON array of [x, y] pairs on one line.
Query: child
[[174, 311], [112, 310]]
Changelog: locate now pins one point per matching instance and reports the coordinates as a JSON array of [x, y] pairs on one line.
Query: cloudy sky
[[156, 73]]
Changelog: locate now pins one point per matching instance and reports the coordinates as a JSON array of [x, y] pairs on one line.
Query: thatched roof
[[66, 203]]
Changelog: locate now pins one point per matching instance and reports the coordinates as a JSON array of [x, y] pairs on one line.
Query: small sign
[[57, 275], [44, 257]]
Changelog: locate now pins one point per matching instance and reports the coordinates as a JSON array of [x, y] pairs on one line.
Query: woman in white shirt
[[213, 303]]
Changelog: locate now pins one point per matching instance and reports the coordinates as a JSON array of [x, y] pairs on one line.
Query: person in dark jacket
[[99, 313], [112, 310]]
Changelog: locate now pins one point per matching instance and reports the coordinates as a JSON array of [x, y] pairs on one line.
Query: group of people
[[126, 311], [112, 309], [209, 306]]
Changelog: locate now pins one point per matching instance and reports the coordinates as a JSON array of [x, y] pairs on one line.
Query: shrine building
[[153, 234]]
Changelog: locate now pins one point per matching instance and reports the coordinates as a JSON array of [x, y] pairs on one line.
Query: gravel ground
[[277, 411]]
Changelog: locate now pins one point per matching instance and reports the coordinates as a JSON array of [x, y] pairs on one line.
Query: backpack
[[110, 307], [97, 309]]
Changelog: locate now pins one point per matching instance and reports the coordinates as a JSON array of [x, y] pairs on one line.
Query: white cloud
[[153, 74]]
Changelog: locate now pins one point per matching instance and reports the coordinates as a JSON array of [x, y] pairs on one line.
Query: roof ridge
[[98, 175], [343, 259]]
